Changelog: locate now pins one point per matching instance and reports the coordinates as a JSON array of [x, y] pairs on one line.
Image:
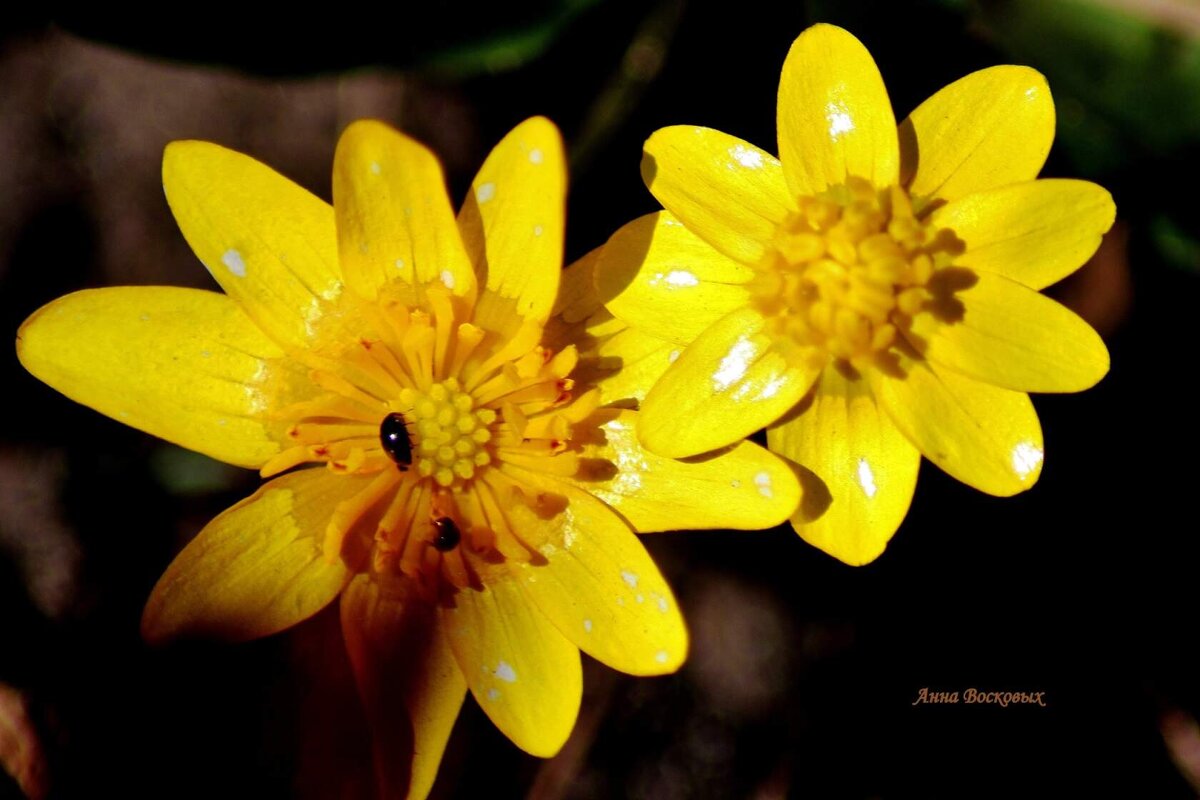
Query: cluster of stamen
[[476, 408], [450, 433], [849, 269]]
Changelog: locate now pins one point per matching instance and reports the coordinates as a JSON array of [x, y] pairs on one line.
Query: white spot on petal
[[840, 120], [535, 156], [772, 387], [663, 605], [629, 578], [505, 672], [205, 354], [671, 356], [375, 170], [1026, 458], [485, 192], [763, 481], [640, 598], [587, 625], [734, 365], [234, 263], [866, 478], [493, 694], [661, 656], [399, 263], [144, 317], [447, 278], [537, 230], [679, 277], [743, 155]]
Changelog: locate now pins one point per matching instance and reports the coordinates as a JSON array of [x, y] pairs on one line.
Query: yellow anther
[[843, 251], [922, 269], [883, 337], [910, 300], [802, 247], [849, 267]]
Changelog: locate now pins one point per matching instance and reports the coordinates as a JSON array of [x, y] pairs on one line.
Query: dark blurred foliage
[[803, 670]]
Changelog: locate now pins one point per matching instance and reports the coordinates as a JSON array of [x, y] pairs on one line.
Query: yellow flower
[[439, 462], [871, 295]]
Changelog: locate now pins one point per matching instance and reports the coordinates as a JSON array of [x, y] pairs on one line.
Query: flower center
[[849, 269], [447, 420], [449, 433]]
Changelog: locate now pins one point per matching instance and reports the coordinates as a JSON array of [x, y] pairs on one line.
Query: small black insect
[[396, 441], [447, 535]]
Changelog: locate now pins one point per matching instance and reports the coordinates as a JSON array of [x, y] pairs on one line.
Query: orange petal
[[410, 684]]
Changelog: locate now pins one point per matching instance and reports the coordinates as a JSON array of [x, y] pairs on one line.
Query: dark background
[[803, 670]]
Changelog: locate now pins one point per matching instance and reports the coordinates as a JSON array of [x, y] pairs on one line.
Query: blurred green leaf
[[1124, 83], [1178, 247], [506, 49], [184, 473]]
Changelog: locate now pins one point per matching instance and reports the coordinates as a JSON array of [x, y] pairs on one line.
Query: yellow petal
[[727, 384], [984, 436], [743, 487], [858, 471], [182, 364], [599, 586], [577, 297], [625, 365], [1035, 233], [270, 244], [726, 191], [410, 684], [661, 278], [1001, 332], [988, 129], [257, 568], [394, 218], [522, 672], [513, 223], [834, 117]]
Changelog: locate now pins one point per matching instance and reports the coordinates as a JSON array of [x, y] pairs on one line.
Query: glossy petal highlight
[[727, 384], [834, 116], [201, 379], [256, 569], [859, 472]]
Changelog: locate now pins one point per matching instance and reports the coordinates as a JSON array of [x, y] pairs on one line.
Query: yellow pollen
[[849, 269], [451, 434]]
